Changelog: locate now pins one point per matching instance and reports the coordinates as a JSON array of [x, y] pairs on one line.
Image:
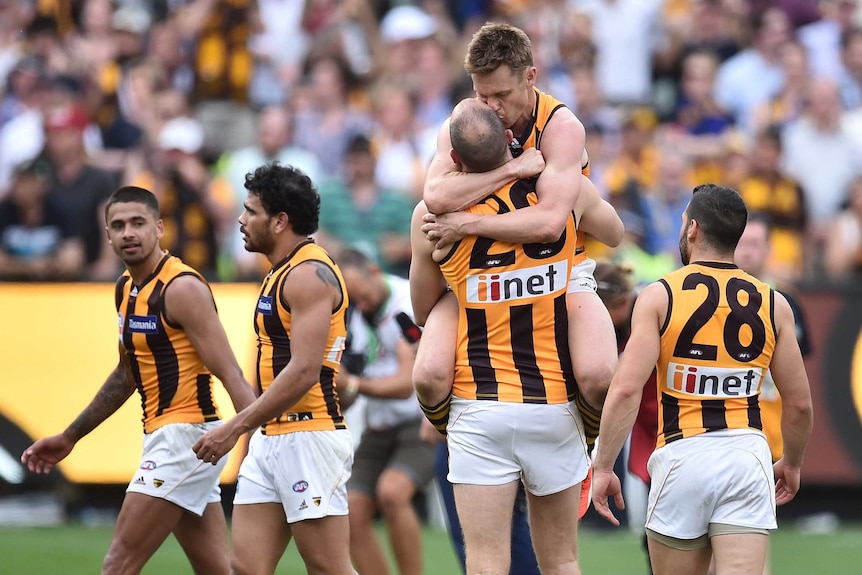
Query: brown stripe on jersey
[[129, 345], [754, 419], [524, 354], [772, 310], [670, 418], [669, 307], [205, 397], [713, 414], [327, 379], [561, 340], [478, 355], [276, 331], [118, 290], [167, 364]]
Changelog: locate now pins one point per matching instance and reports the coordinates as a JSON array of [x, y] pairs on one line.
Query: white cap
[[182, 134], [406, 23]]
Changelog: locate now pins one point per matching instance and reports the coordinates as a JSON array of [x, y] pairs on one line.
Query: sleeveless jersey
[[319, 409], [174, 384], [716, 347], [531, 137], [513, 328]]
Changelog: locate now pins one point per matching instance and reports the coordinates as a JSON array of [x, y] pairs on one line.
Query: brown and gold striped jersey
[[716, 347], [319, 408], [174, 384], [531, 137], [512, 335]]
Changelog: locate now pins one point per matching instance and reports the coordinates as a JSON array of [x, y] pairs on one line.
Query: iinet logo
[[713, 381], [518, 284]]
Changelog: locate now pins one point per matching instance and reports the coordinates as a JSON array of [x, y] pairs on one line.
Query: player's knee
[[393, 498], [432, 383], [118, 560]]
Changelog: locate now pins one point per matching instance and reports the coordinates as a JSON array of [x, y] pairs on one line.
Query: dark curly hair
[[286, 189]]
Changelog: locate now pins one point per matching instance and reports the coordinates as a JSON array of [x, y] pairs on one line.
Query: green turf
[[74, 550]]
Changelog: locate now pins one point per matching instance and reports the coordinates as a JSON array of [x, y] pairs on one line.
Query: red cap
[[67, 117]]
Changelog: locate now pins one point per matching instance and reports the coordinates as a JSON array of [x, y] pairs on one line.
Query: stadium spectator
[[788, 103], [843, 252], [818, 138], [754, 75], [273, 144], [358, 213], [325, 119], [39, 239], [768, 189]]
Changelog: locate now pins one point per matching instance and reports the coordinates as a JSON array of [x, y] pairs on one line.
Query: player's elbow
[[550, 230], [434, 196], [616, 233]]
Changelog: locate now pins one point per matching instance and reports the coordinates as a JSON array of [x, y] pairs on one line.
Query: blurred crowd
[[184, 97]]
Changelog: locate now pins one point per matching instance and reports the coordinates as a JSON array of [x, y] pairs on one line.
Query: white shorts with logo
[[496, 442], [717, 477], [581, 278], [170, 470], [305, 471]]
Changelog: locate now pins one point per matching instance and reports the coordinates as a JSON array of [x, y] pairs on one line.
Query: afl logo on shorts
[[148, 465], [300, 486]]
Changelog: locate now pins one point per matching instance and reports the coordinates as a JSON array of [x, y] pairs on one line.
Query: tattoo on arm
[[113, 394], [325, 273]]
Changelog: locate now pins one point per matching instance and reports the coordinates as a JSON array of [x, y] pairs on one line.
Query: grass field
[[78, 550]]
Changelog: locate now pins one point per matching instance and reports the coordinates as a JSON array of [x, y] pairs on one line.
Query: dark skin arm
[[43, 455], [312, 291]]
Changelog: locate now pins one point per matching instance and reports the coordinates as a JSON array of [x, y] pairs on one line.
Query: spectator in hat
[[39, 238], [83, 187], [195, 210]]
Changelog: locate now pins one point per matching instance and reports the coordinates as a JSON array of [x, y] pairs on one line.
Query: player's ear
[[531, 76], [509, 137], [455, 158]]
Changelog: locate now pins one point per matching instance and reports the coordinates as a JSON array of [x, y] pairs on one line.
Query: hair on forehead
[[136, 195]]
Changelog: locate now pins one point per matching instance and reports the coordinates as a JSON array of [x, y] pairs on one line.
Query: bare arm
[[790, 377], [312, 291], [45, 453], [189, 303], [448, 189], [598, 217], [624, 395], [427, 283], [399, 385], [557, 188]]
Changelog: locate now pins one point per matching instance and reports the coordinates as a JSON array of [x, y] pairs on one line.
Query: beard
[[684, 253], [262, 244]]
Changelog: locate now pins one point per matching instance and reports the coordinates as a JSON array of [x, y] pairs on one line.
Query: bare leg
[[324, 545], [204, 539], [740, 553], [259, 536], [554, 526], [364, 547], [142, 526], [669, 561], [485, 512], [434, 368], [395, 491], [593, 347]]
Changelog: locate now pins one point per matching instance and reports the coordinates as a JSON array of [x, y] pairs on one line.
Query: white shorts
[[305, 471], [717, 477], [170, 470], [581, 278], [496, 442]]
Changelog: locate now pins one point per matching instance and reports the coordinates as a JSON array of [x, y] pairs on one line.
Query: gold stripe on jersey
[[513, 327], [716, 345], [174, 384], [319, 409]]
